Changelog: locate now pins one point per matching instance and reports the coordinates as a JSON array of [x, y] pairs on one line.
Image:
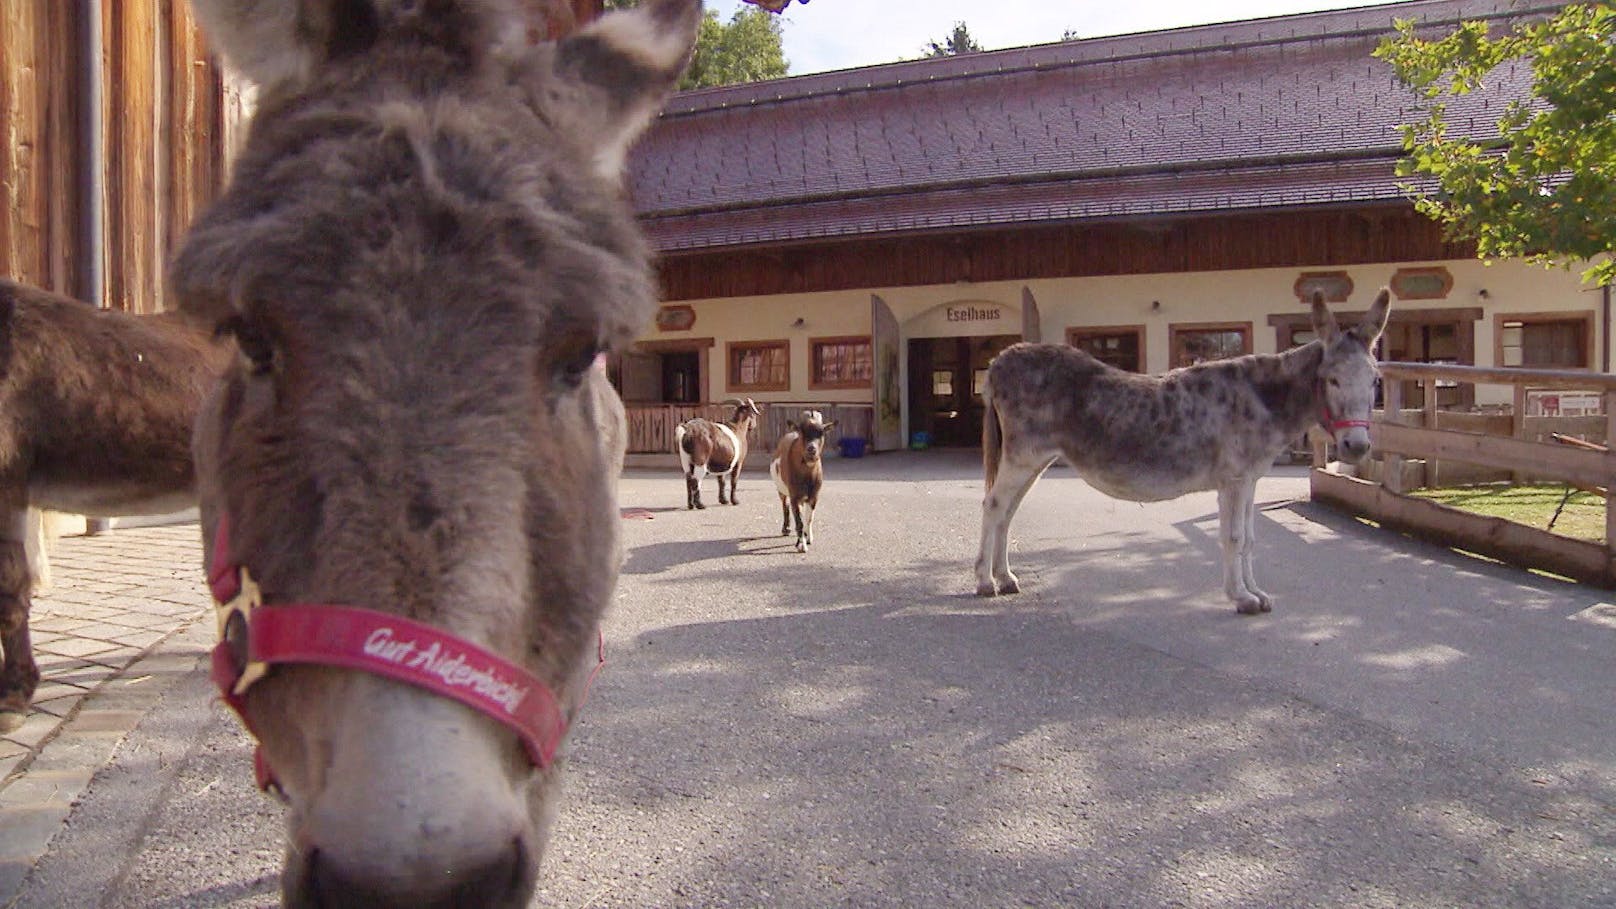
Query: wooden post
[[1608, 401], [1429, 386], [1392, 464]]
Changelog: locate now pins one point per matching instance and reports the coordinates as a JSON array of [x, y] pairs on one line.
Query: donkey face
[[422, 251], [1347, 374]]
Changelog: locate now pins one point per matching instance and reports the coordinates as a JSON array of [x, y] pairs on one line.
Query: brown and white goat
[[799, 473], [710, 447]]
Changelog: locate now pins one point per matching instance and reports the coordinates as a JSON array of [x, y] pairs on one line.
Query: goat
[[717, 448], [799, 474]]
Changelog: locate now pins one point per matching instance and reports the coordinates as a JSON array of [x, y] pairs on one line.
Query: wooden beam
[[1583, 468], [1517, 544]]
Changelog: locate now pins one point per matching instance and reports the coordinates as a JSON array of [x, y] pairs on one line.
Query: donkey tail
[[679, 437], [992, 437]]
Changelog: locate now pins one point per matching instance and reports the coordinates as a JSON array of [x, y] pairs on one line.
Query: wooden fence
[[650, 426], [1521, 445]]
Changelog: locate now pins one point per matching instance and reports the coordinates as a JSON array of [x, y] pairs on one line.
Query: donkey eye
[[1335, 383], [574, 366], [253, 342]]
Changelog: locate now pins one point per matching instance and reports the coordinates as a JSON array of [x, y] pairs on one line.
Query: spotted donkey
[[1214, 425]]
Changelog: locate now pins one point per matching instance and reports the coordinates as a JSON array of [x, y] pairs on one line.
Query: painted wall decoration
[[675, 318]]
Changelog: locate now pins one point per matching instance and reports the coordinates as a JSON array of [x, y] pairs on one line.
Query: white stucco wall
[[1238, 296]]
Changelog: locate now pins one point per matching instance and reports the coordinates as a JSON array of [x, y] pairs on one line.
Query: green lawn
[[1582, 518]]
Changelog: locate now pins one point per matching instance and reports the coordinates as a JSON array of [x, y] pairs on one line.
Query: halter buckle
[[235, 621]]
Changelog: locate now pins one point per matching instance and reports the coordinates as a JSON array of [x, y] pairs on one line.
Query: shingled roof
[[1272, 113]]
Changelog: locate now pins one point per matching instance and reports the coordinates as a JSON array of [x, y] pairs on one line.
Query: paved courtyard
[[1410, 727]]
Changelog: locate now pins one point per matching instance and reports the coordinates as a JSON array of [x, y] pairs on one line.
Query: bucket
[[920, 441], [852, 447]]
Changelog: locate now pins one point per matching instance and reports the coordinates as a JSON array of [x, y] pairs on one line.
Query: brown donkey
[[1216, 425], [408, 478], [96, 408]]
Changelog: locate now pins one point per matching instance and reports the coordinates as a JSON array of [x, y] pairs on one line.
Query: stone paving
[[114, 598]]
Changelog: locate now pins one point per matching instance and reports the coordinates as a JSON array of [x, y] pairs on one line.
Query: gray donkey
[[1216, 425], [408, 479]]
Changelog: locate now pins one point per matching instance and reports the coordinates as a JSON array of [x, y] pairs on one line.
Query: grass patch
[[1582, 518]]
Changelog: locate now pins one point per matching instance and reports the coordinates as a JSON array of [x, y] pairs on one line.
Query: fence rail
[[650, 426], [1525, 448]]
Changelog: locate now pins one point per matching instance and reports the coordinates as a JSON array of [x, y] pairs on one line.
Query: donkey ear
[[1374, 321], [791, 426], [272, 42], [1323, 320], [606, 82], [829, 425]]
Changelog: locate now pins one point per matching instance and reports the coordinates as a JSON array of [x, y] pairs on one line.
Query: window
[[942, 383], [759, 365], [1546, 340], [1193, 344], [841, 362], [1121, 346]]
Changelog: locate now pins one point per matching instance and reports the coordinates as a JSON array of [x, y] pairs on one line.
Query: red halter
[[252, 640]]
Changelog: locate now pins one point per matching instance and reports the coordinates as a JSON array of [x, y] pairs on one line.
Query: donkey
[[799, 474], [1216, 425], [708, 446], [408, 477], [96, 408]]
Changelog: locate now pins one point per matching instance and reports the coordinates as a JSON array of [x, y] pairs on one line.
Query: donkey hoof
[[987, 589], [700, 505], [801, 546], [785, 531], [1250, 606], [11, 719]]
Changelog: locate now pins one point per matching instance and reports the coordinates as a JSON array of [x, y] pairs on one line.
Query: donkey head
[[812, 428], [1346, 384], [423, 249]]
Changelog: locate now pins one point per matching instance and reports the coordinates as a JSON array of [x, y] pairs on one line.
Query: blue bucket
[[920, 441], [853, 447]]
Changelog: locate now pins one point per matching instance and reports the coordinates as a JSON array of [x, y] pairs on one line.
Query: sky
[[837, 34]]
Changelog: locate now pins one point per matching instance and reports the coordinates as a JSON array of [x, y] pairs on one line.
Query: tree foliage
[[959, 41], [1543, 189], [747, 49]]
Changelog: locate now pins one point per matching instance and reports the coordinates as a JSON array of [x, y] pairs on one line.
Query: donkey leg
[[785, 517], [19, 675], [808, 521], [1231, 531], [1265, 602], [993, 574], [723, 494], [734, 481]]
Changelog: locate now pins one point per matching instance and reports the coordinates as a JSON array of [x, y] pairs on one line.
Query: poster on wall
[[888, 401]]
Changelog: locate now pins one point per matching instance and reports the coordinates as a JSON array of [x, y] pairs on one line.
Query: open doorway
[[945, 386], [663, 372]]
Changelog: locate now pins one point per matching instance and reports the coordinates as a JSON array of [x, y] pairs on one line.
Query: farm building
[[867, 240]]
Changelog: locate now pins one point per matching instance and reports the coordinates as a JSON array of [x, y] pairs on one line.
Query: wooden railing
[[650, 426], [1399, 434]]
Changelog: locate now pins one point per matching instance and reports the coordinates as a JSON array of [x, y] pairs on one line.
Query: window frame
[[817, 383], [1582, 317], [732, 377], [1077, 333], [1176, 329]]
